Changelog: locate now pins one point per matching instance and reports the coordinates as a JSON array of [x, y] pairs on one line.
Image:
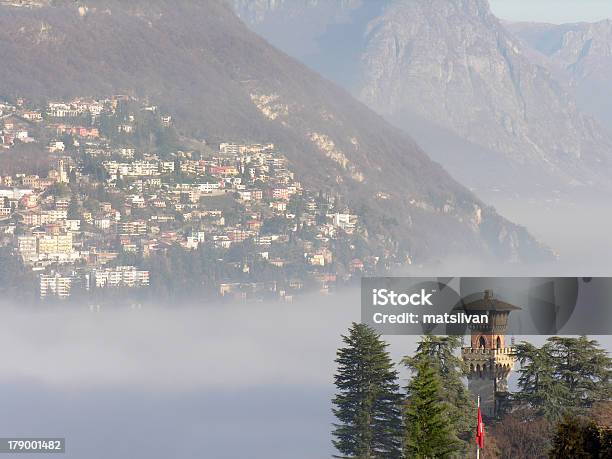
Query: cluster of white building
[[78, 107], [61, 285], [120, 276]]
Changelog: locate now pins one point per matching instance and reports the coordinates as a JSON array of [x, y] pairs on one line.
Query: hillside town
[[109, 195]]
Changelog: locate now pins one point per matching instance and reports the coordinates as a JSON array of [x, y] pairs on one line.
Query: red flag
[[480, 434]]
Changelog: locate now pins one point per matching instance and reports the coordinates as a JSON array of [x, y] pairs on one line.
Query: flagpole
[[477, 445]]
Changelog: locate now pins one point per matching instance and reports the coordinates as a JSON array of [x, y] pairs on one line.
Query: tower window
[[482, 342], [498, 342]]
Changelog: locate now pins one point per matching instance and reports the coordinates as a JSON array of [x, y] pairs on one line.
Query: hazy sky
[[554, 11]]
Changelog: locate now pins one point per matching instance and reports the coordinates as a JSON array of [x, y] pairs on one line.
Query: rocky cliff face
[[584, 48], [452, 63], [580, 54]]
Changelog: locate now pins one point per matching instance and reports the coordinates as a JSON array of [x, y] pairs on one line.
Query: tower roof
[[487, 303]]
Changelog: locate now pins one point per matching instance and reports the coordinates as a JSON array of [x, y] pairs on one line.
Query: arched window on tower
[[482, 342], [498, 342]]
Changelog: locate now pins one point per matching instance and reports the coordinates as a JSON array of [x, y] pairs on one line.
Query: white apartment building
[[28, 248], [55, 285], [135, 169], [166, 167], [61, 110], [345, 221], [208, 187], [121, 276]]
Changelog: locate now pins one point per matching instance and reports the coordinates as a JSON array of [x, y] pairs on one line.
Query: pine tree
[[368, 402], [440, 353], [584, 369], [429, 431], [565, 376], [538, 386]]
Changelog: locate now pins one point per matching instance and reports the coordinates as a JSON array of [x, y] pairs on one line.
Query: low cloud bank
[[172, 347]]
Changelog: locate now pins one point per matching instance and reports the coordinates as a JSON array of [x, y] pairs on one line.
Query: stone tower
[[489, 358]]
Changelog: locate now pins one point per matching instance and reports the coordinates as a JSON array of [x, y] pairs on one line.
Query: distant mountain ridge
[[452, 63], [222, 82], [581, 54]]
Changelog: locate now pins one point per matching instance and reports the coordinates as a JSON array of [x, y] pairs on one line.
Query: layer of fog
[[577, 227], [244, 380]]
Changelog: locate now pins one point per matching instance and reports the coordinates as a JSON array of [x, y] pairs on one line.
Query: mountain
[[580, 54], [448, 70], [221, 81], [326, 35]]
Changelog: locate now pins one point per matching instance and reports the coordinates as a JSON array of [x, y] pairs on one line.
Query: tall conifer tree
[[368, 402], [429, 430], [441, 354]]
